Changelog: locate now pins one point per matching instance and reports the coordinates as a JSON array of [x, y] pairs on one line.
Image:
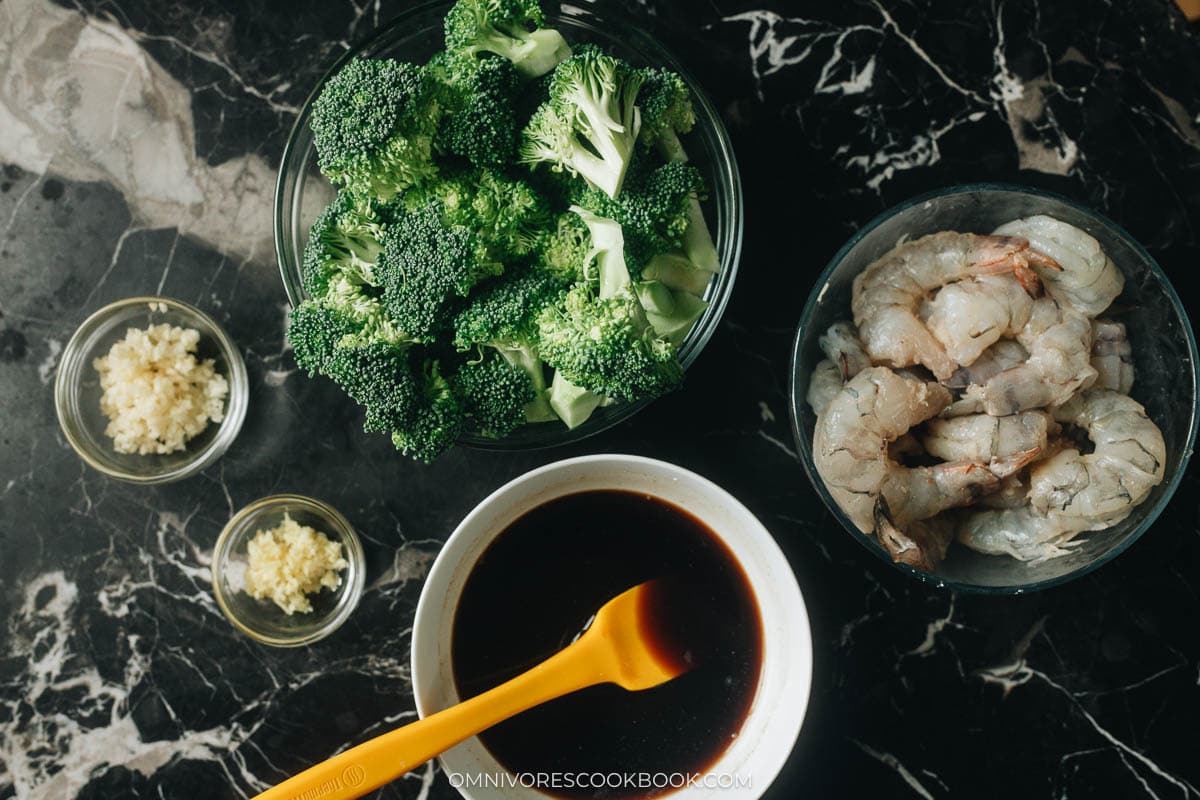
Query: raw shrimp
[[1013, 493], [888, 293], [1005, 443], [1000, 356], [1112, 356], [842, 346], [824, 384], [845, 358], [1018, 532], [1071, 492], [1088, 280], [921, 545], [1099, 489], [1059, 341], [969, 316], [850, 449]]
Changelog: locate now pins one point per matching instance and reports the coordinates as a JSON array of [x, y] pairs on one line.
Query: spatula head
[[648, 632]]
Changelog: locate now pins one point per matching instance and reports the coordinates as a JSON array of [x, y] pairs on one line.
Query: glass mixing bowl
[[1164, 352], [415, 35]]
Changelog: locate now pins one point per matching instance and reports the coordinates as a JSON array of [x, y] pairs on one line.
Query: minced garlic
[[289, 562], [156, 394]]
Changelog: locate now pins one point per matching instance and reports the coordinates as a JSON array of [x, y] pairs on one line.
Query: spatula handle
[[373, 763]]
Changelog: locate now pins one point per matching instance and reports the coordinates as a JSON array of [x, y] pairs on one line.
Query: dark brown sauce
[[534, 589]]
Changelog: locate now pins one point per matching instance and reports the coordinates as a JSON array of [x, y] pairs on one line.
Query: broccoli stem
[[540, 52], [675, 271], [613, 141], [697, 240], [573, 404]]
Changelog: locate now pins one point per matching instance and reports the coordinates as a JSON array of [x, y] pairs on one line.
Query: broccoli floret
[[601, 345], [480, 99], [653, 210], [425, 265], [666, 105], [313, 331], [566, 248], [495, 395], [507, 215], [504, 317], [345, 238], [380, 378], [437, 421], [667, 111], [509, 28], [373, 125], [589, 125]]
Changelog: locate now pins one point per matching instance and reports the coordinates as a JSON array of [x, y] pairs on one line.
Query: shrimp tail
[[1004, 466], [919, 548]]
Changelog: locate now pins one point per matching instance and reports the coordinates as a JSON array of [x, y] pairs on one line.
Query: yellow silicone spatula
[[618, 647]]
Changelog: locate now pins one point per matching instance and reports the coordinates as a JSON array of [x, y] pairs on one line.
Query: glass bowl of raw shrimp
[[1162, 345]]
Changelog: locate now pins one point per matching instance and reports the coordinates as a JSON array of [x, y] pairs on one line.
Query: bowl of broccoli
[[505, 228]]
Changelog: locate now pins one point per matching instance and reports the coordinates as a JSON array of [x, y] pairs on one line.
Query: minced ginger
[[156, 394], [290, 562]]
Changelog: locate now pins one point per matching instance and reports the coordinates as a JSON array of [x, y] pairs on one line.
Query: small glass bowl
[[77, 390], [1164, 354], [415, 34], [262, 620]]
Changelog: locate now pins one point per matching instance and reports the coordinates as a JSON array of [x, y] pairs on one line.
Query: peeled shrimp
[[850, 449], [1088, 280], [1112, 356], [1018, 532], [1101, 488], [1071, 492], [969, 316], [888, 294], [1059, 341], [1000, 356], [1005, 443], [842, 346], [845, 358]]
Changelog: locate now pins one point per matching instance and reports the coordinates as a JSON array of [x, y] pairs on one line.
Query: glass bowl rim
[[557, 434], [351, 589], [805, 448], [228, 428]]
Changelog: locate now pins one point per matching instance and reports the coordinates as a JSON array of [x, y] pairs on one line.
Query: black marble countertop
[[140, 141]]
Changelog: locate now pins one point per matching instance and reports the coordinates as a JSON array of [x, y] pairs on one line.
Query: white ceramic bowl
[[777, 711]]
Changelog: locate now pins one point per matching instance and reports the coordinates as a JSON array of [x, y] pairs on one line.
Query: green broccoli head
[[602, 345], [425, 265], [373, 125], [654, 210], [507, 215], [506, 311], [565, 249], [509, 28], [666, 105], [495, 394], [480, 96], [345, 238], [379, 377], [437, 421], [314, 330], [589, 125]]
